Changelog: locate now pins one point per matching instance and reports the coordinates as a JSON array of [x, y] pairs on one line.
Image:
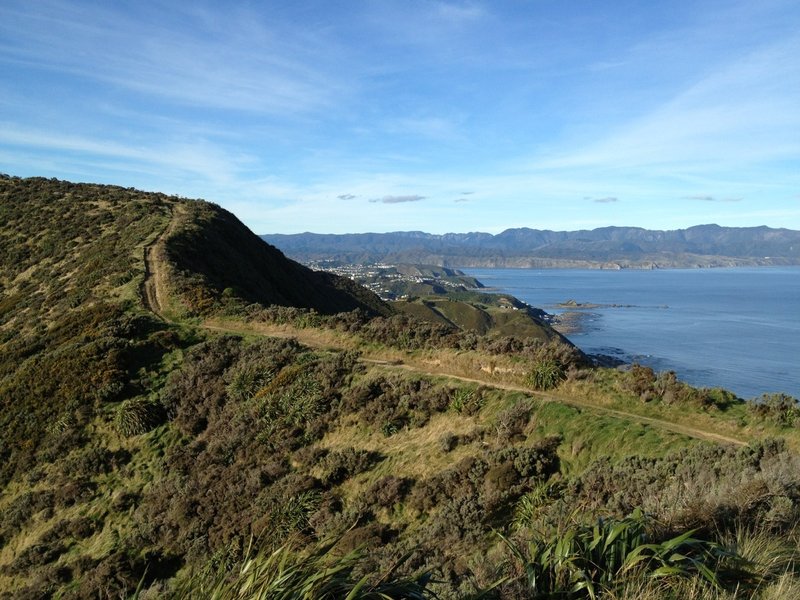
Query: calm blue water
[[732, 328]]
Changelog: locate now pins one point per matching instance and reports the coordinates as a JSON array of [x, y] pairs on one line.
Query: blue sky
[[379, 115]]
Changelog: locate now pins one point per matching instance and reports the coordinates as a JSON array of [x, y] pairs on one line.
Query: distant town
[[399, 281]]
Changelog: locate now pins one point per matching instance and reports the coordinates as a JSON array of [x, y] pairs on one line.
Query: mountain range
[[607, 247]]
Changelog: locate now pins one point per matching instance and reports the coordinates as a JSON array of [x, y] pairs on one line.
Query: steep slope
[[54, 228], [213, 254]]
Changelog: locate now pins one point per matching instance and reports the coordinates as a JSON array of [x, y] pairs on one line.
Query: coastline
[[734, 328]]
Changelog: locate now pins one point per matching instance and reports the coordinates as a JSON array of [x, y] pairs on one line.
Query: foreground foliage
[[588, 561], [286, 574]]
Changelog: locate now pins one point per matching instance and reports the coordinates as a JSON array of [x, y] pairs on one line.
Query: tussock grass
[[588, 561], [287, 574], [772, 557], [314, 337]]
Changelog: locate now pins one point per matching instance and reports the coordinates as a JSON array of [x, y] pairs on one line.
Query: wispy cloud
[[197, 157], [459, 12], [434, 128], [232, 63], [742, 114], [397, 199], [712, 199], [275, 109]]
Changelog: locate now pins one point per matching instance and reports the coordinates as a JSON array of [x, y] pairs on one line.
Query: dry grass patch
[[410, 452], [312, 337]]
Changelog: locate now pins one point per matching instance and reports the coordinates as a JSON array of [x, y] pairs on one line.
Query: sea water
[[735, 328]]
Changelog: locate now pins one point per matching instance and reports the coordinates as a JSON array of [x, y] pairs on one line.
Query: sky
[[394, 115]]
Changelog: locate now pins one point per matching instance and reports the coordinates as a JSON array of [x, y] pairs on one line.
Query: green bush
[[546, 374], [781, 409]]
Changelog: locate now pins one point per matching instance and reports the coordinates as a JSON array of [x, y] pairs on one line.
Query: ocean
[[735, 328]]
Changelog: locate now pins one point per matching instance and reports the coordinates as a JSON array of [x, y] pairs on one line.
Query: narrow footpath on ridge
[[154, 299], [154, 294]]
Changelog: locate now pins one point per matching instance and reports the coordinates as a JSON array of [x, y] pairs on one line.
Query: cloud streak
[[232, 63], [711, 199], [397, 199], [741, 114], [276, 110]]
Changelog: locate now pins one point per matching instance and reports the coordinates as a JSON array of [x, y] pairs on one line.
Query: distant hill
[[607, 247]]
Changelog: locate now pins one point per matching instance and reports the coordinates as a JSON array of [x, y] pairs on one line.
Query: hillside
[[451, 298], [608, 247], [53, 229], [172, 426], [213, 252]]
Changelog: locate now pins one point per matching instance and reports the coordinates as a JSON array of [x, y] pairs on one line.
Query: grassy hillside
[[173, 424], [486, 314], [217, 259]]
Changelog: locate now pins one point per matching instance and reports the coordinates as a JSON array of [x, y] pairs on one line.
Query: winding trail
[[309, 338], [573, 402], [149, 293], [155, 295]]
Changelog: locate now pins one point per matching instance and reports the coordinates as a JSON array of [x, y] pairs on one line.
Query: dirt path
[[149, 294], [575, 403], [154, 294]]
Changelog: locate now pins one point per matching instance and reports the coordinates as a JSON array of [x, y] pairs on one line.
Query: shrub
[[138, 416], [781, 409], [512, 420], [639, 381], [448, 442], [388, 491], [546, 374], [343, 464]]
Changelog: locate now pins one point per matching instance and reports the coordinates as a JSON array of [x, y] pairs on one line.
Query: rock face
[[605, 248]]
